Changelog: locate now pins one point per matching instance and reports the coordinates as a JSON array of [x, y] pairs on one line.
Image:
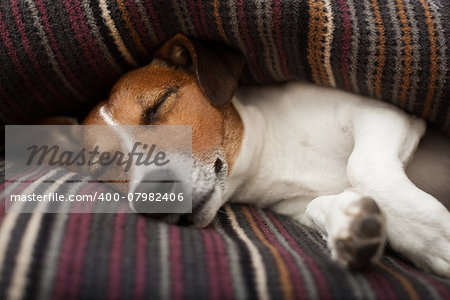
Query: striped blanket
[[61, 57], [245, 253]]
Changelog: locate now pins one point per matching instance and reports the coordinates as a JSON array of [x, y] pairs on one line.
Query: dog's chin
[[202, 214]]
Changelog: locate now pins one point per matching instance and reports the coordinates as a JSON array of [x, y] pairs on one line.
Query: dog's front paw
[[358, 236], [426, 242], [438, 263]]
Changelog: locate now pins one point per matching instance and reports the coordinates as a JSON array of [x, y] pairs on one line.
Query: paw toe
[[367, 227], [366, 240]]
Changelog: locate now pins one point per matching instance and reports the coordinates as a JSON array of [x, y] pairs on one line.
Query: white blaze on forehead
[[123, 134], [127, 138], [106, 116]]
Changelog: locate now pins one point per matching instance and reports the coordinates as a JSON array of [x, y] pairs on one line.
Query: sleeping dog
[[329, 159]]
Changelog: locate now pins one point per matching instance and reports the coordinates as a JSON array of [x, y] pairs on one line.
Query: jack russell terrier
[[332, 160]]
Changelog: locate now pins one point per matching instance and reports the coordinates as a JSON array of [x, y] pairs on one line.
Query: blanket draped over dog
[[61, 57]]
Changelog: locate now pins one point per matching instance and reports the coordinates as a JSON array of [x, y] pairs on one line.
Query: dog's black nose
[[218, 166], [154, 184]]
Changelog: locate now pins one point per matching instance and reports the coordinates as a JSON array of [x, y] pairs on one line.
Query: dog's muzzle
[[207, 185]]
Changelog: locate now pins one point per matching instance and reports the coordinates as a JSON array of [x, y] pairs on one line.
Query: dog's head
[[187, 83]]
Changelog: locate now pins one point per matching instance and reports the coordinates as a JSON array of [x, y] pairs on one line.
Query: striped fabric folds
[[245, 253], [61, 57]]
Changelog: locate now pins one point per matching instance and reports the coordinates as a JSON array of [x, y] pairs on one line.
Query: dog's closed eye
[[152, 113]]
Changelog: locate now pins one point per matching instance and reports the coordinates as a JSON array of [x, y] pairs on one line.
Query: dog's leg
[[418, 225], [352, 225]]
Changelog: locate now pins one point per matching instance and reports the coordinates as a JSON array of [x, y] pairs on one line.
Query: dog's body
[[332, 160], [299, 157], [298, 139]]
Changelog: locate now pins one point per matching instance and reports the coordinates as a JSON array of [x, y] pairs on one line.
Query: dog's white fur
[[312, 153]]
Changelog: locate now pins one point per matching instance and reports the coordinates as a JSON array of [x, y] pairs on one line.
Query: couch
[[62, 57]]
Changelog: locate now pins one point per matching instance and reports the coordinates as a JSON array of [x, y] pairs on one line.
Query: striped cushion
[[245, 253], [61, 57]]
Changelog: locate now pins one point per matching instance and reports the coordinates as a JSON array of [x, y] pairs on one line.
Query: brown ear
[[217, 67]]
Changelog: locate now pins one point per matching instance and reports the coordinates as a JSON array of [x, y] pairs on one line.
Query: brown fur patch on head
[[160, 94]]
